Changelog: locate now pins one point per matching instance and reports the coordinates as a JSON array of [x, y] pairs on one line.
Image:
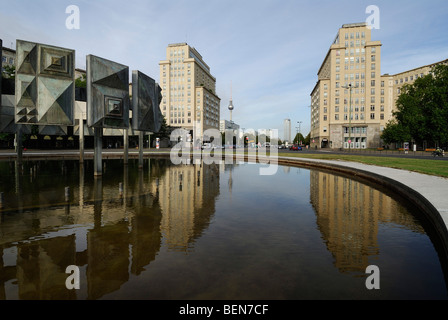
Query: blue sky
[[270, 50]]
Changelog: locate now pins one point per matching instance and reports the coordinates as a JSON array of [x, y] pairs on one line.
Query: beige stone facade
[[359, 114], [339, 114], [189, 91]]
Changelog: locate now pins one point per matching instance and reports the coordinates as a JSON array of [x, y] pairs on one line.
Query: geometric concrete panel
[[146, 97], [107, 93], [53, 130], [45, 84], [7, 124], [1, 73]]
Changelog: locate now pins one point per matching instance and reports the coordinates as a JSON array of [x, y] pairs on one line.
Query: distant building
[[287, 131], [189, 91], [8, 58], [225, 125]]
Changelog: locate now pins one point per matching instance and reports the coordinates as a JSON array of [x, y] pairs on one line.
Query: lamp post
[[350, 87], [300, 130]]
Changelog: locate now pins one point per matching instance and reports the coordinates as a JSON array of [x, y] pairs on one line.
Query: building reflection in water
[[108, 232], [349, 214]]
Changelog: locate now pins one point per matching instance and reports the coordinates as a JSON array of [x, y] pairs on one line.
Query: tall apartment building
[[352, 101], [189, 91], [340, 114], [287, 131]]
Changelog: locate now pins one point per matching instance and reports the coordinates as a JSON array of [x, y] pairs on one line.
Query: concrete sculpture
[[107, 93], [45, 84], [146, 97]]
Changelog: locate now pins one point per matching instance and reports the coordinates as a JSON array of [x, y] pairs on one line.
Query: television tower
[[231, 103]]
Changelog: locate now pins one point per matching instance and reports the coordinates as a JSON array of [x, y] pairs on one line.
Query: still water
[[207, 232]]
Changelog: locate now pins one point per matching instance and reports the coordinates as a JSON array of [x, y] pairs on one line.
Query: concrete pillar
[[81, 140], [18, 143], [98, 151], [126, 146], [140, 149]]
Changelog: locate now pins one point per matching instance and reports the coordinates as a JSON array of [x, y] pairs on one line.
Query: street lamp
[[350, 87], [300, 130]]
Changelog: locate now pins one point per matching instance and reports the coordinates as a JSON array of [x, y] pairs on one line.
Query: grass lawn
[[431, 167]]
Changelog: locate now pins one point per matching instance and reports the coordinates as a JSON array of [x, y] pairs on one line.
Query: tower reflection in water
[[349, 214], [112, 227]]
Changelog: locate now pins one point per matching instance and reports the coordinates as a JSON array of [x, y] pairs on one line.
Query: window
[[372, 116], [336, 117]]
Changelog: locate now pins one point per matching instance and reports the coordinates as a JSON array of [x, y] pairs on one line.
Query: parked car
[[295, 148]]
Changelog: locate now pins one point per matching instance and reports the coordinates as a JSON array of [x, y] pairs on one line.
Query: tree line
[[421, 114]]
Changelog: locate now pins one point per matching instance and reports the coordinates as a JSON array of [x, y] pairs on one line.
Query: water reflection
[[349, 215], [204, 232], [111, 235]]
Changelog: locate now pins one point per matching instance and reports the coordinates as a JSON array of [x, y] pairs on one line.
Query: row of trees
[[422, 111]]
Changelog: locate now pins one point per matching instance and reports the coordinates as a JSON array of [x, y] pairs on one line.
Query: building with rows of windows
[[8, 58], [352, 102], [189, 91]]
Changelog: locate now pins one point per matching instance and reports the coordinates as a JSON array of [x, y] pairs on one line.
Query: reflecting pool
[[207, 232]]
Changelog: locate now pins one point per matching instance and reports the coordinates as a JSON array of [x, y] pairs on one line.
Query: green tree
[[165, 130], [299, 139], [81, 82], [308, 139], [10, 72], [422, 110], [395, 133]]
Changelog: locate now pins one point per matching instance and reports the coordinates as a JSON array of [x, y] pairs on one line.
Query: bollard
[[1, 200], [67, 194]]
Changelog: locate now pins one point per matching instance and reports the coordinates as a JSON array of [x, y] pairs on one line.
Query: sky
[[265, 54]]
